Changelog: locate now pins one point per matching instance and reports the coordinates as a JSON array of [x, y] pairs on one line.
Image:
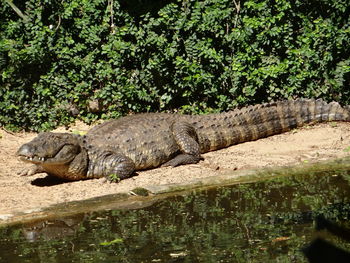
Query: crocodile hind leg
[[186, 137]]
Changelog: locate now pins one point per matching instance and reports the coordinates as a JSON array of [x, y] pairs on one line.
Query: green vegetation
[[113, 178], [114, 241], [62, 60]]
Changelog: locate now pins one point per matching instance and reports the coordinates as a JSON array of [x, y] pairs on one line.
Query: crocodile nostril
[[26, 150]]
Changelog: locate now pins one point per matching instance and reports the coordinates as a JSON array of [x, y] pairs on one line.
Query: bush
[[187, 56]]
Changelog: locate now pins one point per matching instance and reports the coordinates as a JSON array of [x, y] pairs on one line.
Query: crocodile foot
[[183, 159]]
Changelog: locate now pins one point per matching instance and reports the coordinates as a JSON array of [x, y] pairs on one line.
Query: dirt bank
[[309, 144]]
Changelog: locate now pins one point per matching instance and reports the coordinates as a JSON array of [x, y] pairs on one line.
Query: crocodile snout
[[26, 150]]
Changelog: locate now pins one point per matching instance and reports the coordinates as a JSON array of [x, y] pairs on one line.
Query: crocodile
[[117, 148]]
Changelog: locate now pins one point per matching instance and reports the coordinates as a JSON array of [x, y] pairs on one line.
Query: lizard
[[119, 147]]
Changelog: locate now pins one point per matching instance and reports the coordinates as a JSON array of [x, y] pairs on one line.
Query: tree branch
[[17, 10]]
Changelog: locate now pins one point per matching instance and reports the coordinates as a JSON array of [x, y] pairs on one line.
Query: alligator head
[[58, 154], [50, 148]]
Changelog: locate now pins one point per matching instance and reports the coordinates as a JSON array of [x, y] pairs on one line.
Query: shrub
[[187, 56]]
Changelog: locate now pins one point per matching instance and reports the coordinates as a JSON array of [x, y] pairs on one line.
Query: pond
[[266, 221]]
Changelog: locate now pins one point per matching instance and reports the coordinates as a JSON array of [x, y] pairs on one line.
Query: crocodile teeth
[[42, 159]]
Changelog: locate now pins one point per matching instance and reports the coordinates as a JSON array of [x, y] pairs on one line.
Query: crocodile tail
[[285, 115], [347, 110], [254, 122], [314, 111]]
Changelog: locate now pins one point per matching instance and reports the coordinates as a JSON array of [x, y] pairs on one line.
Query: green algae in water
[[268, 221]]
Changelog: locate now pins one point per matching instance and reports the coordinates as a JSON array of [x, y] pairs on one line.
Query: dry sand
[[308, 144]]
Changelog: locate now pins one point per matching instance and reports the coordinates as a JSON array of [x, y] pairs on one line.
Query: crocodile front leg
[[32, 170], [186, 137], [113, 166]]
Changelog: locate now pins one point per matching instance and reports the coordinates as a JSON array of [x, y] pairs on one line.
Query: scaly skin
[[117, 148]]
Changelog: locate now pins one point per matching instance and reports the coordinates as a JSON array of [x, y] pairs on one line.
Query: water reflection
[[53, 229], [267, 221], [322, 251]]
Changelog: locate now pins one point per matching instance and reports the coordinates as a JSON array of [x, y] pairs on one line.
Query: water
[[269, 221]]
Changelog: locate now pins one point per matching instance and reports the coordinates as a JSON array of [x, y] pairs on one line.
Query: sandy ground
[[308, 144]]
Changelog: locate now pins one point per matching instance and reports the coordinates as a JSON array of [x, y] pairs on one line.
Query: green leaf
[[115, 241]]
